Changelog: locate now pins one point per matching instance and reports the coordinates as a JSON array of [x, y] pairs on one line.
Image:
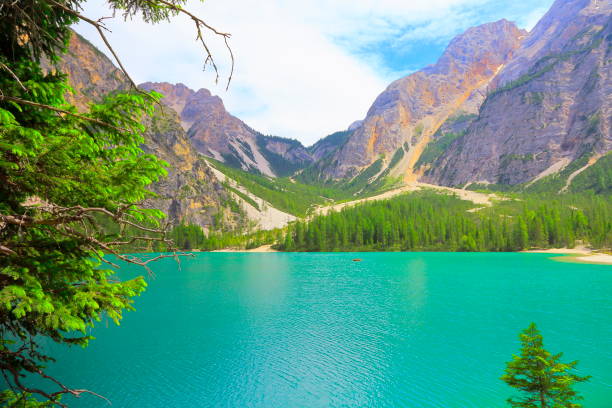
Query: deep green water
[[318, 330]]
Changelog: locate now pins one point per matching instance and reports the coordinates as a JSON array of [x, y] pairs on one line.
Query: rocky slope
[[550, 110], [410, 111], [219, 135], [329, 144], [191, 193]]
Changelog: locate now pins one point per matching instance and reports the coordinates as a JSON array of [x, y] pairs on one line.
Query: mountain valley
[[502, 109]]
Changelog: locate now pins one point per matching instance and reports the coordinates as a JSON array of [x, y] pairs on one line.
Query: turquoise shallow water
[[318, 330]]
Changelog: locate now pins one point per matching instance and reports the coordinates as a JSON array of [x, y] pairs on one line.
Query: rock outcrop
[[410, 111], [550, 106], [216, 133], [190, 193]]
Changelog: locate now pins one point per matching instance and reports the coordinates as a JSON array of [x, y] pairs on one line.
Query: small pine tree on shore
[[544, 381]]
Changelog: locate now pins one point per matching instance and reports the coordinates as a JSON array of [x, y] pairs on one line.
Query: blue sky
[[304, 69], [410, 47]]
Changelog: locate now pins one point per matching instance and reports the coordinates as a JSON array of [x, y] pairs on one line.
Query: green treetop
[[543, 380]]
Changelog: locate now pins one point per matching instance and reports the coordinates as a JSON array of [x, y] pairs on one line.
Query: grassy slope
[[298, 198], [282, 193]]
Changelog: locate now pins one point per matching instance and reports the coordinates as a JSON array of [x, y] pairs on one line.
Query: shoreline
[[576, 255], [261, 249]]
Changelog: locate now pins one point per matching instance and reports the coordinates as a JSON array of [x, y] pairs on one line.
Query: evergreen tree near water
[[71, 188], [542, 379]]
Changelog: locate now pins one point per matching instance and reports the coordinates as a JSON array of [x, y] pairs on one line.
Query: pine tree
[[289, 244], [543, 380]]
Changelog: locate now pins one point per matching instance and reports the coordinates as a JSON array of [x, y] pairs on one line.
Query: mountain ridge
[[215, 133], [441, 125], [412, 108], [551, 105]]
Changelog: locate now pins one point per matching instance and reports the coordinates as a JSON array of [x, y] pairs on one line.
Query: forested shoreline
[[430, 221]]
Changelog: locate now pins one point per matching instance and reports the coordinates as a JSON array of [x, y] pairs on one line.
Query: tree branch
[[99, 27], [14, 76], [199, 23], [62, 111]]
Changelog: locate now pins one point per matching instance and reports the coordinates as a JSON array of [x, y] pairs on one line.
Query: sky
[[304, 68]]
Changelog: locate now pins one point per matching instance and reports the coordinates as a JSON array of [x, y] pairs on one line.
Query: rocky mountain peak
[[548, 114], [562, 23], [187, 103], [215, 133], [477, 45], [404, 117]]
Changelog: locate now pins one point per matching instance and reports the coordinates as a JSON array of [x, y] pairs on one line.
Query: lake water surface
[[318, 330]]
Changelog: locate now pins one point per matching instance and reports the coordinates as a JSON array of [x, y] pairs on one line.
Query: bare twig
[[14, 76], [100, 28], [231, 75], [199, 23], [29, 365], [62, 219], [6, 251]]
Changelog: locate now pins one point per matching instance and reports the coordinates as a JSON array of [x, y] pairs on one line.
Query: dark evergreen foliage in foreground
[[65, 178]]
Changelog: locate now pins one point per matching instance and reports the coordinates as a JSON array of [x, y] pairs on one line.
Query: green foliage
[[22, 400], [64, 177], [543, 380], [461, 117], [246, 149], [294, 197], [51, 283], [335, 140], [220, 240], [430, 221], [596, 179], [240, 194], [233, 160], [418, 130], [554, 183], [507, 159], [397, 156], [436, 148], [533, 98], [187, 237], [364, 184], [282, 193], [363, 179]]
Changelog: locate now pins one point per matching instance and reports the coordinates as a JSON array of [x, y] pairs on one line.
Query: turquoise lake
[[418, 330]]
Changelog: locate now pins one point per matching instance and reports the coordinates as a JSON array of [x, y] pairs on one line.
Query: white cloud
[[530, 20], [298, 72]]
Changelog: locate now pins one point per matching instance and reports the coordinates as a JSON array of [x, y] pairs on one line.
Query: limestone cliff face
[[91, 74], [215, 133], [191, 193], [551, 103], [411, 109]]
